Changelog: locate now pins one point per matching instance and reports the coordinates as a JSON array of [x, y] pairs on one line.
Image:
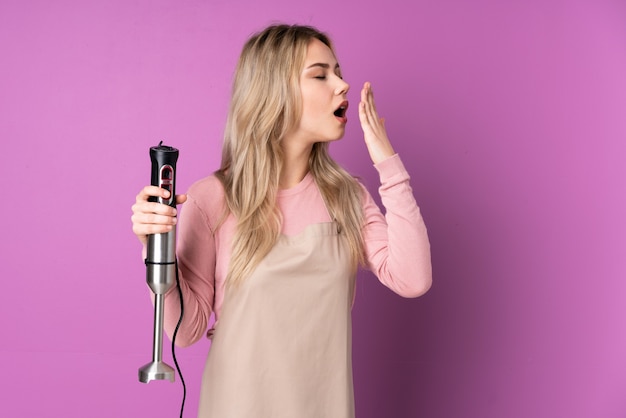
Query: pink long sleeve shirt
[[396, 244]]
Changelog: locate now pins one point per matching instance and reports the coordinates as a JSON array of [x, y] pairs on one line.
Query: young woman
[[270, 243]]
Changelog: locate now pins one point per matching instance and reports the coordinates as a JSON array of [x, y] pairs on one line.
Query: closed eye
[[325, 66]]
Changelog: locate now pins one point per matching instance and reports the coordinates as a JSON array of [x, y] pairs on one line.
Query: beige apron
[[283, 345]]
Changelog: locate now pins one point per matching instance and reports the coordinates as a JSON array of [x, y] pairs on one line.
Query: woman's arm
[[396, 244], [195, 250], [196, 258]]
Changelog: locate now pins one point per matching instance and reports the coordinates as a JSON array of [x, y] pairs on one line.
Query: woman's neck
[[295, 166]]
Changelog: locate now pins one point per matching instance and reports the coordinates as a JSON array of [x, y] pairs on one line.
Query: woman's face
[[323, 93]]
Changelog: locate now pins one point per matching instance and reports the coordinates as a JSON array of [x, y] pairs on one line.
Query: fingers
[[151, 217], [367, 96], [367, 110], [144, 226], [181, 198], [373, 126], [152, 191]]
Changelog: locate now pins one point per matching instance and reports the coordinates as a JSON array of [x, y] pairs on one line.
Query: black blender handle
[[163, 175]]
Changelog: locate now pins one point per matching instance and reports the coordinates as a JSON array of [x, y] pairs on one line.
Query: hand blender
[[161, 261]]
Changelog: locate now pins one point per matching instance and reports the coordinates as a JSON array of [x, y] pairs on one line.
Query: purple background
[[510, 117]]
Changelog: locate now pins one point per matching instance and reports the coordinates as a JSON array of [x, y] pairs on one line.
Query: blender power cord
[[180, 320]]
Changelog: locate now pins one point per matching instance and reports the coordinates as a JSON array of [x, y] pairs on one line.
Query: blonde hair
[[265, 106]]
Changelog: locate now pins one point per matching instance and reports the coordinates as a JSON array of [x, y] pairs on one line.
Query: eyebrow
[[322, 65]]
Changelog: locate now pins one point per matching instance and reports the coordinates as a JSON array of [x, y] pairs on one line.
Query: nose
[[342, 86]]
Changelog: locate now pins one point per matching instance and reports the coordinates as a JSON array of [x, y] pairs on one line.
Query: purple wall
[[511, 118]]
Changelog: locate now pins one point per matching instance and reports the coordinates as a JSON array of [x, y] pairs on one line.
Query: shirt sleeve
[[196, 253], [396, 244]]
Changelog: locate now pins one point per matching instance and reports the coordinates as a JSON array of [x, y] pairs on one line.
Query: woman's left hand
[[373, 127]]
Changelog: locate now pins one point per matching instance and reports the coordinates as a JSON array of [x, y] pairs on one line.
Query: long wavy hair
[[265, 106]]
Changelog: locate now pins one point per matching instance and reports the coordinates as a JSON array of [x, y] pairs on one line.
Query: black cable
[[180, 320]]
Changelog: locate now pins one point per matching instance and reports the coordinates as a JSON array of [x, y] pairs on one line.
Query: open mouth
[[341, 110]]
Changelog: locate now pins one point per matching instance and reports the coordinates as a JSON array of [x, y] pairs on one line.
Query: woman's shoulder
[[208, 195], [208, 184]]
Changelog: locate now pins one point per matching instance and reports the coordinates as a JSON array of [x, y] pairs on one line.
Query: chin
[[333, 139], [336, 136], [339, 136]]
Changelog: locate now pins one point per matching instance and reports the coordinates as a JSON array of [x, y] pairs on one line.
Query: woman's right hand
[[151, 217]]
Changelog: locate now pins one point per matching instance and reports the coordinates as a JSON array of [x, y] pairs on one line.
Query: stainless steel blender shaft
[[160, 276]]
